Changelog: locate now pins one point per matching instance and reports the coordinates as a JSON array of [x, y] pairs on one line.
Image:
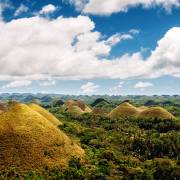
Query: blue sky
[[115, 50]]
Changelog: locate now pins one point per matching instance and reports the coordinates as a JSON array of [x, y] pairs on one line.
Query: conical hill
[[124, 110], [29, 141], [77, 107]]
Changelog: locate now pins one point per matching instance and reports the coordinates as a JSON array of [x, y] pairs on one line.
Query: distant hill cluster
[[98, 104], [126, 110], [60, 98]]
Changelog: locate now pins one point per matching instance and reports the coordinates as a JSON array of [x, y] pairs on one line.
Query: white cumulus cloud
[[134, 31], [89, 87], [117, 89], [50, 8], [48, 83], [18, 83], [107, 7], [37, 48], [142, 85], [79, 4], [117, 38]]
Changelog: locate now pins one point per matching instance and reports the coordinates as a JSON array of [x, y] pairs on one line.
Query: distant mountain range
[[47, 98]]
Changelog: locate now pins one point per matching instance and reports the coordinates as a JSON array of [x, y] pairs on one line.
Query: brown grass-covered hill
[[45, 113], [77, 107], [29, 141], [155, 113], [126, 110], [142, 108]]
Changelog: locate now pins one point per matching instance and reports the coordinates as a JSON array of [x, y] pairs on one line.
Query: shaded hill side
[[45, 113], [58, 103], [100, 101], [29, 141]]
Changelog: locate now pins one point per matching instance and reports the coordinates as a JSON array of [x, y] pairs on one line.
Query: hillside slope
[[45, 113], [29, 141]]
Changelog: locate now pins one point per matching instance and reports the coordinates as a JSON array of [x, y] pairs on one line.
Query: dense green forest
[[124, 148]]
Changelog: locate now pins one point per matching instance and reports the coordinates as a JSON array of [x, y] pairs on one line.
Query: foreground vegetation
[[126, 148]]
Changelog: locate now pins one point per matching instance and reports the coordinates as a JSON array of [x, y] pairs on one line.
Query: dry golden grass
[[45, 113], [155, 112], [142, 108], [124, 110], [70, 102], [74, 110], [77, 107], [29, 141], [87, 109]]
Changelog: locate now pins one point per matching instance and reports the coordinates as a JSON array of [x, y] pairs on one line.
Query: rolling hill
[[155, 113], [126, 110]]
